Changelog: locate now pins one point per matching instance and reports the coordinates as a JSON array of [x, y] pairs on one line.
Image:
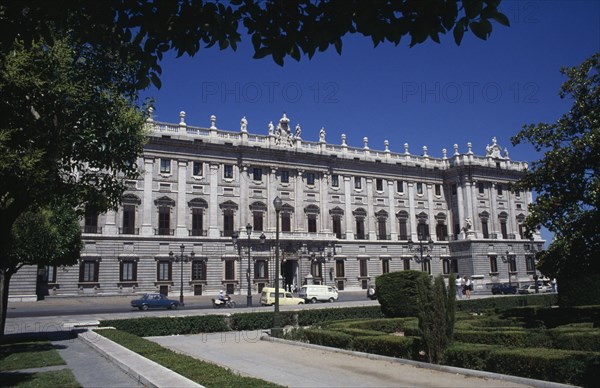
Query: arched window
[[484, 217], [228, 208], [503, 218], [382, 217], [197, 206], [336, 221], [422, 227], [286, 217], [359, 215], [441, 229]]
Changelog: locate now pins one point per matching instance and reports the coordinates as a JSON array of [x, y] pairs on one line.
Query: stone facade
[[347, 216]]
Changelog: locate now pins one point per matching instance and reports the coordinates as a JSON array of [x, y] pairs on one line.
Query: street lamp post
[[534, 250], [421, 249], [508, 258], [181, 259], [237, 242], [276, 330]]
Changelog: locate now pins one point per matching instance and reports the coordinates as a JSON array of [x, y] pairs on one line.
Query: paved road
[[296, 366]]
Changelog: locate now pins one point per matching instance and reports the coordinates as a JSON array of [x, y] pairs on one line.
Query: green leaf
[[502, 19]]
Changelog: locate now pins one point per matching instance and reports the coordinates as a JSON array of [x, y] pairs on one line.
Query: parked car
[[267, 297], [314, 292], [504, 289], [154, 301], [528, 289]]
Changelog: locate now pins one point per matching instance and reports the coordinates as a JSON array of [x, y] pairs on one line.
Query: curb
[[146, 372], [425, 365]]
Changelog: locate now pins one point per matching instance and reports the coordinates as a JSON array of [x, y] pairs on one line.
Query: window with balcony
[[197, 222], [227, 223], [257, 221], [312, 223], [164, 221], [336, 222], [128, 219], [91, 222], [286, 222]]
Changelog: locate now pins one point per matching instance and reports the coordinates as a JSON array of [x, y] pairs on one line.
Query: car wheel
[[173, 306], [300, 302], [144, 307], [331, 300], [313, 300]]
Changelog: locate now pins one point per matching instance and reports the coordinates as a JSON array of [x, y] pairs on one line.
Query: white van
[[314, 293]]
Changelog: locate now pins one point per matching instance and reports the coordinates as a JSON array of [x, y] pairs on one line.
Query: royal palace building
[[201, 217]]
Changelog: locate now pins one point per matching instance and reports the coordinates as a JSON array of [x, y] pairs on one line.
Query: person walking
[[458, 284], [468, 288]]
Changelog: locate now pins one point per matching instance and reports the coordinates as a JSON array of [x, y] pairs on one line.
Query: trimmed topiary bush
[[397, 293]]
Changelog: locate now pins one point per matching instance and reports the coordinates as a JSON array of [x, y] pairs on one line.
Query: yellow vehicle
[[267, 298]]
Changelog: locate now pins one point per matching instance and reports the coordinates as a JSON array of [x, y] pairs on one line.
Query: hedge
[[387, 345], [503, 303], [509, 338], [159, 326], [151, 326], [562, 366], [553, 317]]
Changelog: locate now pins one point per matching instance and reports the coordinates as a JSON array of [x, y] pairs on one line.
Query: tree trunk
[[5, 276]]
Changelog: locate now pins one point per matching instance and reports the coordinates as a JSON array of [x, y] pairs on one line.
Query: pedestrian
[[553, 284], [468, 288], [458, 283]]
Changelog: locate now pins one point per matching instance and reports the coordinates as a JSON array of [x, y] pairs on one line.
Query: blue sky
[[430, 95]]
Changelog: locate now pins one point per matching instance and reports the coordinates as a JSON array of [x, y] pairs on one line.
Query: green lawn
[[59, 378], [201, 372], [28, 354]]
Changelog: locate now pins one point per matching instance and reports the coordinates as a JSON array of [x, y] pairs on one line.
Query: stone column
[[412, 210], [271, 194], [244, 197], [370, 211], [324, 205], [299, 205], [213, 207], [348, 208], [460, 205], [182, 209], [148, 205], [392, 209]]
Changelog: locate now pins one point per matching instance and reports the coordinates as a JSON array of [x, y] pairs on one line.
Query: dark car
[[504, 289], [154, 301]]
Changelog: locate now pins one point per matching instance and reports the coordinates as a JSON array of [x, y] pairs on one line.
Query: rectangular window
[[91, 222], [88, 271], [335, 180], [419, 188], [286, 224], [285, 176], [50, 274], [385, 266], [198, 270], [481, 187], [229, 269], [400, 186], [363, 268], [503, 230], [454, 189], [261, 269], [484, 229], [493, 264], [227, 223], [357, 182], [340, 270], [128, 219], [257, 174], [530, 264], [512, 261], [423, 231], [163, 271], [446, 266], [499, 189], [517, 193], [228, 171], [406, 264], [312, 223], [454, 263], [441, 231], [164, 221], [438, 190], [316, 269], [403, 231], [197, 222], [379, 184], [197, 168], [426, 266], [128, 271], [337, 226], [381, 226], [257, 221], [360, 229], [165, 166], [310, 178]]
